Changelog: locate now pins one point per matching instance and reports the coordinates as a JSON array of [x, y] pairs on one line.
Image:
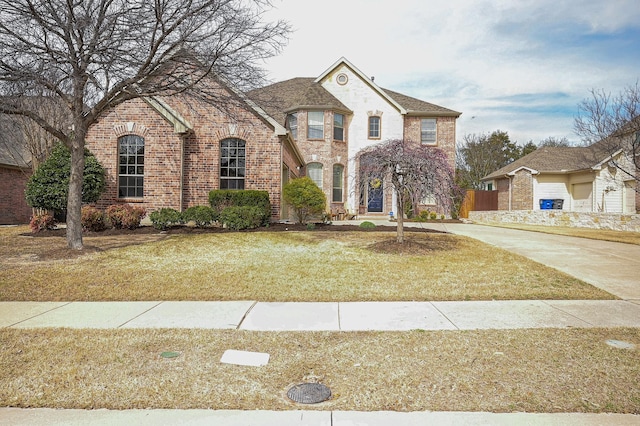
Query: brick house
[[582, 177], [170, 152], [334, 116], [15, 170]]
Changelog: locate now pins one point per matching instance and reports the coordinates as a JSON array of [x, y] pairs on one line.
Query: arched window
[[130, 166], [232, 163], [338, 180], [314, 171]]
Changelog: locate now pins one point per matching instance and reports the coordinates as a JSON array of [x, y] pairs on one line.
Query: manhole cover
[[309, 393]]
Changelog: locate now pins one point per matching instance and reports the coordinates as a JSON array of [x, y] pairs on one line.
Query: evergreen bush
[[220, 199], [305, 197], [242, 217], [201, 215], [165, 218], [48, 187], [367, 225]]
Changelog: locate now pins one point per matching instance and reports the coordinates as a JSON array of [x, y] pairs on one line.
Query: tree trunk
[[74, 200], [400, 221]]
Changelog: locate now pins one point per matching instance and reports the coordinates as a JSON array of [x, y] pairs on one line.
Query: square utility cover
[[255, 359]]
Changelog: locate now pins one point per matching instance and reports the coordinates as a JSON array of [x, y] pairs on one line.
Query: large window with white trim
[[232, 163], [130, 166], [428, 131], [315, 125]]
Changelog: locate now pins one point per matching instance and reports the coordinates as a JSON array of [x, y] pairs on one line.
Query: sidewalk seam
[[140, 314], [255, 302], [567, 313], [444, 315], [41, 313]]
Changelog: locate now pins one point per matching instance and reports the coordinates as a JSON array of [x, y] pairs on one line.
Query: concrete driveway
[[613, 267]]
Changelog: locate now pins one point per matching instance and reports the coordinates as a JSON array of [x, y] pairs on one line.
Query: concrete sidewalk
[[324, 316], [45, 416]]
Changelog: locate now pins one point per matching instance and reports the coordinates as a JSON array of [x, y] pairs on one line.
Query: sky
[[520, 66]]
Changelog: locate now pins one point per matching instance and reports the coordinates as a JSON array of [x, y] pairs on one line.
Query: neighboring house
[[584, 178], [334, 116], [170, 152], [15, 170]]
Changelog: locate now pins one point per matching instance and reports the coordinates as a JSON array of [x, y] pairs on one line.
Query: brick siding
[[195, 157], [14, 209]]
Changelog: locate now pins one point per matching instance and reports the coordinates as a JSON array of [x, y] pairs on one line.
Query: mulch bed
[[274, 227]]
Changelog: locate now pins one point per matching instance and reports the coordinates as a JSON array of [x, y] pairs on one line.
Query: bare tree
[[413, 171], [613, 123], [480, 155], [93, 55]]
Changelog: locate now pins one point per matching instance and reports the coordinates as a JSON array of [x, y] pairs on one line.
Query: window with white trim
[[338, 181], [314, 171], [131, 166], [338, 127], [374, 127], [315, 125], [232, 163], [428, 131]]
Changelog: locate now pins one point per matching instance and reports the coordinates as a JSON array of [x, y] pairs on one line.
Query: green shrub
[[125, 216], [48, 187], [423, 216], [311, 226], [306, 199], [92, 219], [165, 218], [367, 225], [433, 216], [441, 217], [220, 199], [201, 215], [242, 217], [42, 221]]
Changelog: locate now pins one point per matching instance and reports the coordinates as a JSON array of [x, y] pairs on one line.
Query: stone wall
[[611, 221]]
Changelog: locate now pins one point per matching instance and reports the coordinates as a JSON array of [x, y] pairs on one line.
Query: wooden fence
[[478, 201]]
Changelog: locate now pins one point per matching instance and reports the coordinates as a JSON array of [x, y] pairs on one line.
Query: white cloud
[[477, 57]]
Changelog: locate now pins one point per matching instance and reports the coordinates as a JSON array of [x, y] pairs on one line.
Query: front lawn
[[570, 370], [275, 266]]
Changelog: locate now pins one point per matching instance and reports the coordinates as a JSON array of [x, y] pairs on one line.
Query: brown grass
[[275, 266], [570, 370]]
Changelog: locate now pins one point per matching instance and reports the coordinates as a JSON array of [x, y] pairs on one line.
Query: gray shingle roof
[[557, 160], [305, 93], [13, 150]]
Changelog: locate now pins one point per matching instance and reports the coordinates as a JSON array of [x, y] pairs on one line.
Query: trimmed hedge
[[201, 215], [92, 219], [242, 217], [221, 199], [165, 218], [125, 216]]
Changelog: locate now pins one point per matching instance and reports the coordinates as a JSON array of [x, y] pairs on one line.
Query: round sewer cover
[[309, 393]]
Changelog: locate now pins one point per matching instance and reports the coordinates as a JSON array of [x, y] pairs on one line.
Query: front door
[[375, 197]]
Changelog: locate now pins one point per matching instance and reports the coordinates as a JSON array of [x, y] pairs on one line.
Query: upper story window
[[232, 163], [292, 125], [130, 166], [374, 127], [315, 125], [428, 131], [338, 127], [314, 171]]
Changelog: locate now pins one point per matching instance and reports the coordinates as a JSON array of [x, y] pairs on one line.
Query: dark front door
[[375, 199]]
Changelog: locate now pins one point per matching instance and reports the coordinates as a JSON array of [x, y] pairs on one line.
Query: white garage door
[[582, 197]]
